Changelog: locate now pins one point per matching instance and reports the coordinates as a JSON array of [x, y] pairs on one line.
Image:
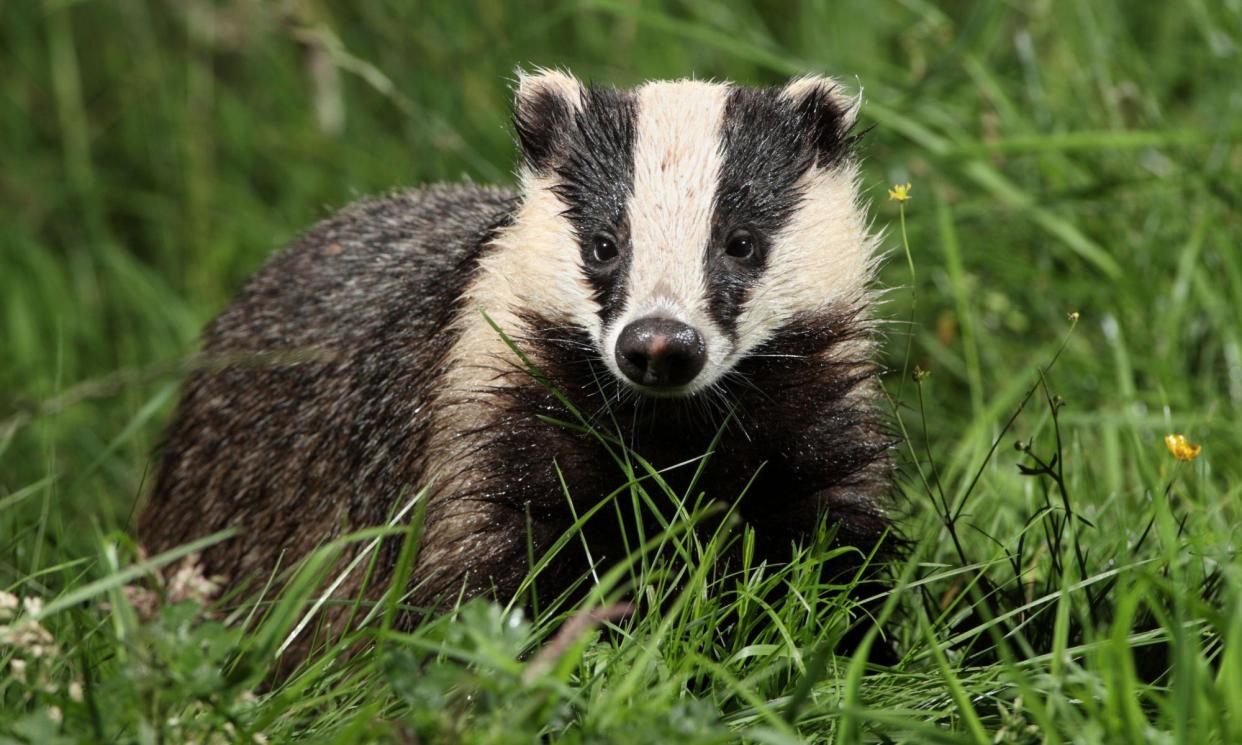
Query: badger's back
[[305, 419]]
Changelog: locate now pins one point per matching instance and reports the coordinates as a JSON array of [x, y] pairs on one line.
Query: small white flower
[[144, 602], [75, 692], [18, 666], [29, 637], [189, 582], [8, 605], [54, 713], [33, 604]]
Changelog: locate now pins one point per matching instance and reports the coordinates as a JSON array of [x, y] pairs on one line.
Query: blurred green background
[[1064, 156]]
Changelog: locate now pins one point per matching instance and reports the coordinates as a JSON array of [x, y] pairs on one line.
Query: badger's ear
[[827, 115], [544, 110]]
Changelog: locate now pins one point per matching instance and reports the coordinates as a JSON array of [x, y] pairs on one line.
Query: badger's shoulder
[[408, 254]]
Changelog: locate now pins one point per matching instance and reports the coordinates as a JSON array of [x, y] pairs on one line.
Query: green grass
[[1065, 157]]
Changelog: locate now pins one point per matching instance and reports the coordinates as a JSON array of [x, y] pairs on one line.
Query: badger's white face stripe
[[535, 266], [824, 257], [677, 162]]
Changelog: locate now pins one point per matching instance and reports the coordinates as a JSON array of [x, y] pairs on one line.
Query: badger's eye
[[603, 248], [741, 245]]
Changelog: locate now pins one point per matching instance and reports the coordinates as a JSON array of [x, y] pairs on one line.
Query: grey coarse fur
[[296, 451]]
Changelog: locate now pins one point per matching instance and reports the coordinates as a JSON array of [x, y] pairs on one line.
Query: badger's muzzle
[[660, 352]]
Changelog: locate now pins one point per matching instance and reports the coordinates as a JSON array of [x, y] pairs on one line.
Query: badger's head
[[683, 224]]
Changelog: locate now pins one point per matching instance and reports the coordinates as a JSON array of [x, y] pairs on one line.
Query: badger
[[685, 264]]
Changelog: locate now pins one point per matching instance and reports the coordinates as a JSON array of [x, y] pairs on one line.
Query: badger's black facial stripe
[[766, 147], [595, 172]]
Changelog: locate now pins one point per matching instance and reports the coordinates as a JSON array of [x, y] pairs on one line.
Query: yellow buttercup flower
[[899, 192], [1181, 448]]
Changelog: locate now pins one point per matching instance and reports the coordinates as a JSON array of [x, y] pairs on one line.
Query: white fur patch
[[535, 265], [824, 257], [677, 162], [544, 80]]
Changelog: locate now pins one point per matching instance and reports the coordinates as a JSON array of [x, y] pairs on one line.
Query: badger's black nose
[[660, 352]]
